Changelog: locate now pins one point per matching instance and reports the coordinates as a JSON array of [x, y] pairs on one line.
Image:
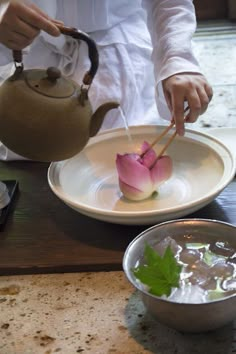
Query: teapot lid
[[49, 82]]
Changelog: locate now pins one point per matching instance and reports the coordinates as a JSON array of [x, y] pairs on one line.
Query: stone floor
[[216, 53]]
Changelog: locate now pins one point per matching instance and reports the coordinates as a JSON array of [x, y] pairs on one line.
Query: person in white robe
[[146, 60]]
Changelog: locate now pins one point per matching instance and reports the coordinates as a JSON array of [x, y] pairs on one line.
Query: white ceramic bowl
[[226, 136], [88, 183]]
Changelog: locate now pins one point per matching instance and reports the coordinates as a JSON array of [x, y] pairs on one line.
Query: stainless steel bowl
[[184, 317]]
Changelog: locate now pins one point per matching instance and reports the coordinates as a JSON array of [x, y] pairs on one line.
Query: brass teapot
[[45, 116]]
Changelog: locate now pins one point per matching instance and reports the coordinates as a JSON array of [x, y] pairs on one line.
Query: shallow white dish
[[88, 183], [227, 136]]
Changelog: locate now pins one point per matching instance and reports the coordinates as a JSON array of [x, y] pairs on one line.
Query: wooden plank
[[43, 235]]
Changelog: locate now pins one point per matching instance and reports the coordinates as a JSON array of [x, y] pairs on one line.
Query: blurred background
[[215, 48], [215, 9]]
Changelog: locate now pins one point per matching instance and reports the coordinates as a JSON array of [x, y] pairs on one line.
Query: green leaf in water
[[160, 274]]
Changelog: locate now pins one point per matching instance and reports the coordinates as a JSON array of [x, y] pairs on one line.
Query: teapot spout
[[99, 115]]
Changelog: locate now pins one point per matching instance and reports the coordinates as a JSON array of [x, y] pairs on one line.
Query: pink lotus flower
[[140, 176]]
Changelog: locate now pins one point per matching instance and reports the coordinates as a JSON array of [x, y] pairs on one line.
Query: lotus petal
[[134, 194], [149, 157], [132, 172], [162, 170], [140, 176]]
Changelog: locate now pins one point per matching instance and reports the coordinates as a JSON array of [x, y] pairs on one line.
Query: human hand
[[22, 22], [192, 88]]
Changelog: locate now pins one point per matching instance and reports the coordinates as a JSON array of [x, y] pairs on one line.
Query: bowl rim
[[54, 169], [145, 292]]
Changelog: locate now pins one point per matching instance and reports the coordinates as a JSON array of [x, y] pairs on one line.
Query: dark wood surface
[[42, 235], [211, 9]]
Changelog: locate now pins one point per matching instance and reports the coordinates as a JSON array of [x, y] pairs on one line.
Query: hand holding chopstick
[[190, 87]]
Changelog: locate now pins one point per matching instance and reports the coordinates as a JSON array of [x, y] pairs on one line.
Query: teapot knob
[[53, 74]]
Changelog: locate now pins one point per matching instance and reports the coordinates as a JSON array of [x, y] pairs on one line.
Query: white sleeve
[[5, 55], [172, 24]]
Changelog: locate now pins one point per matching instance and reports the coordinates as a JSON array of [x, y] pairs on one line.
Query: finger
[[209, 91], [194, 104], [55, 21], [178, 113], [24, 29], [58, 22], [168, 99], [204, 99], [35, 19], [17, 41], [39, 11]]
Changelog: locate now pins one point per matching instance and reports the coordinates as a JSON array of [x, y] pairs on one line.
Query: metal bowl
[[186, 317]]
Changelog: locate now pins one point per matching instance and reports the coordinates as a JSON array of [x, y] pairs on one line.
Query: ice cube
[[199, 268], [232, 259], [201, 275], [189, 256], [229, 285], [222, 269], [192, 294], [222, 248], [161, 246], [209, 284]]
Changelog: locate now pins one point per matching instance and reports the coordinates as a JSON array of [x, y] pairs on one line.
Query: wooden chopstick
[[159, 137], [169, 141]]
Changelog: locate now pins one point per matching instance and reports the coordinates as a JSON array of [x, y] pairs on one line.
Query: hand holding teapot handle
[[77, 34]]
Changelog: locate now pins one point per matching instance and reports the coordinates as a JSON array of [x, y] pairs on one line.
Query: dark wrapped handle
[[92, 50], [17, 56], [77, 34]]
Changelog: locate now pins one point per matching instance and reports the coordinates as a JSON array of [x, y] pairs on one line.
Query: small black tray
[[13, 187]]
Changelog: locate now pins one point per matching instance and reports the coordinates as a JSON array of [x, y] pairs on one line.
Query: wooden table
[[42, 235]]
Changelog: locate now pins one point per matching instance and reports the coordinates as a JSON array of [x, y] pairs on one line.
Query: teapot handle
[[77, 34]]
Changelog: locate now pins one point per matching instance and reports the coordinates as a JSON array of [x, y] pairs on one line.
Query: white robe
[[140, 43]]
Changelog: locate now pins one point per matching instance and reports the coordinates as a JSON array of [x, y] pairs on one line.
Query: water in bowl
[[208, 269]]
